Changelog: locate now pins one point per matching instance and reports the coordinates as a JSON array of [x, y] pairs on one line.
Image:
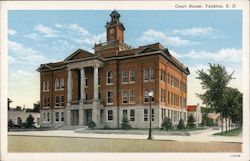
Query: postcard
[[121, 80]]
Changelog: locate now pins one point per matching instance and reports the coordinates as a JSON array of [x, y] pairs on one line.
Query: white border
[[119, 5]]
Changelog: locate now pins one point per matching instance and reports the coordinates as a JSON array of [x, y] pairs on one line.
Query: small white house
[[19, 116], [195, 110]]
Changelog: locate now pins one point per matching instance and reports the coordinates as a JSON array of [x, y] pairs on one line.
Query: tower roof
[[115, 15]]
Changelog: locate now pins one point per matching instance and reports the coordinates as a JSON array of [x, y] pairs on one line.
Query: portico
[[81, 109]]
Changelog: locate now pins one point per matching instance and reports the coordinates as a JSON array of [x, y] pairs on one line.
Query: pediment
[[79, 54]]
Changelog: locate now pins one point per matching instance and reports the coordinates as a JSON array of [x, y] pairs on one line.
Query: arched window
[[62, 83], [57, 85], [110, 77]]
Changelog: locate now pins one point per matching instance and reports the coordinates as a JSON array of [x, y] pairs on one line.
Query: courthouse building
[[112, 82]]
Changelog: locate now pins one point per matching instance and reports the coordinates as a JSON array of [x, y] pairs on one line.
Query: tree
[[190, 122], [181, 124], [214, 83], [166, 124], [91, 124], [125, 122], [18, 108], [36, 107], [19, 121], [10, 123], [233, 105], [30, 121]]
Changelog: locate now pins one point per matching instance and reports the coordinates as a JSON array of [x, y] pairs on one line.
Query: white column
[[69, 86], [83, 84], [96, 83]]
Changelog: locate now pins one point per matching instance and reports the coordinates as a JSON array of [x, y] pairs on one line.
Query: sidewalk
[[202, 136]]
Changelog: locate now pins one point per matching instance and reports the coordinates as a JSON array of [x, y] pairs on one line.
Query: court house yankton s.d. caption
[[112, 82]]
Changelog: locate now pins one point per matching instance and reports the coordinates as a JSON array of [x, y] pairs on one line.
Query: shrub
[[91, 124], [190, 122], [166, 124], [10, 124], [125, 123], [181, 124]]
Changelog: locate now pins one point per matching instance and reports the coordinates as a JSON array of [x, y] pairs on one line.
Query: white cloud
[[195, 31], [33, 36], [58, 25], [224, 54], [27, 87], [47, 31], [12, 32], [26, 54], [77, 28], [152, 36]]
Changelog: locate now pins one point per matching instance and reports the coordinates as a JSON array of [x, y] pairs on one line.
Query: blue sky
[[196, 38]]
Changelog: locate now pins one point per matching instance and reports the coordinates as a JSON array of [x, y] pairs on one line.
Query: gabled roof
[[79, 54], [50, 66]]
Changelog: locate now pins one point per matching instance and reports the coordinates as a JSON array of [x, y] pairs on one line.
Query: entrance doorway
[[74, 117], [88, 115]]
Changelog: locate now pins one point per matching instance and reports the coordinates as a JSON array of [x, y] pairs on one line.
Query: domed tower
[[115, 29]]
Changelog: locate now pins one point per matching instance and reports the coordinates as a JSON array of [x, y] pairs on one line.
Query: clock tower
[[115, 29]]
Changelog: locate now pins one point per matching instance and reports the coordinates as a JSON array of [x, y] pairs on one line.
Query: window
[[168, 97], [152, 74], [62, 101], [145, 75], [44, 116], [62, 117], [61, 83], [153, 97], [57, 116], [57, 84], [124, 112], [86, 96], [44, 101], [125, 76], [99, 79], [145, 114], [110, 77], [131, 96], [110, 97], [131, 76], [57, 101], [168, 78], [146, 99], [153, 114], [132, 115], [110, 115], [162, 75], [47, 86], [162, 95], [44, 86], [171, 80], [86, 82], [124, 96], [48, 116]]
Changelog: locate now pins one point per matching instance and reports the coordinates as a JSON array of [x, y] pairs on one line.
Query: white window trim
[[130, 115], [130, 71], [107, 116], [127, 96], [127, 77], [109, 103], [108, 77], [131, 102], [58, 117], [144, 71], [151, 73]]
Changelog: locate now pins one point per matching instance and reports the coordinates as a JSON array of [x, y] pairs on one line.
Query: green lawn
[[234, 132]]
